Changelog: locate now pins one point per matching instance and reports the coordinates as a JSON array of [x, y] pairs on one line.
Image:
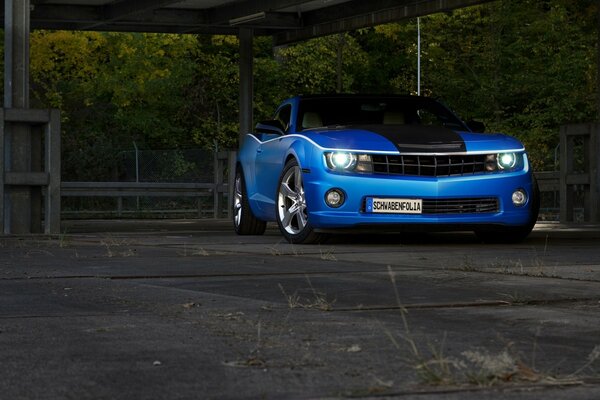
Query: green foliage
[[113, 89], [312, 67]]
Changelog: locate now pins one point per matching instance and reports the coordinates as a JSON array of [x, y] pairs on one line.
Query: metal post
[[18, 146], [246, 36], [216, 173]]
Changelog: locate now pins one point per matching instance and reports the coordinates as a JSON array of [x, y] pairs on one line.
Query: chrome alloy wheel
[[291, 202], [237, 201]]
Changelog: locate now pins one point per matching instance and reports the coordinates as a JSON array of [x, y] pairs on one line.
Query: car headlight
[[341, 161], [348, 162], [506, 160], [503, 162]]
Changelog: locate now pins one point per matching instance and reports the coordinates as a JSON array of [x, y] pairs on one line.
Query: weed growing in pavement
[[509, 267], [433, 368], [467, 264], [193, 251], [274, 250], [318, 300], [63, 239], [474, 366], [327, 255], [592, 358], [111, 243], [515, 297]]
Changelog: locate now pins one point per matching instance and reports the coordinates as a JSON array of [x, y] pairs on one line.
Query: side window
[[427, 117], [283, 115]]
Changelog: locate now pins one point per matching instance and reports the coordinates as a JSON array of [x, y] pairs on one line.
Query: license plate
[[394, 206]]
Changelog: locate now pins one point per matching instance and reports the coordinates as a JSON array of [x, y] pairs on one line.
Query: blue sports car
[[331, 163]]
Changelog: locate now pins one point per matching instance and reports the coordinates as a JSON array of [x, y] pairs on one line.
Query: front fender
[[298, 150]]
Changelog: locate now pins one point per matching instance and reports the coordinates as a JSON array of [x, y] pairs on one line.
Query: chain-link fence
[[194, 166], [167, 166]]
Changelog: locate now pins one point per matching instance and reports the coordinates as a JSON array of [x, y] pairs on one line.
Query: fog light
[[334, 198], [519, 198]]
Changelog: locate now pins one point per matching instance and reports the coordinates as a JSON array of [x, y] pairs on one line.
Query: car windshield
[[336, 111]]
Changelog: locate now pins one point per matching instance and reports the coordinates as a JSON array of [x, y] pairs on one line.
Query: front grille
[[419, 165], [457, 206], [460, 206]]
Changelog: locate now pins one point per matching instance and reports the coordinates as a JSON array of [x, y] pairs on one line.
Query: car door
[[269, 164]]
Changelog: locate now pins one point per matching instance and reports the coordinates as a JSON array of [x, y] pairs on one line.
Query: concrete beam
[[360, 14], [240, 9], [123, 9]]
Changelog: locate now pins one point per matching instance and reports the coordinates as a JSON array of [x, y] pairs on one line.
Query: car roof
[[360, 96]]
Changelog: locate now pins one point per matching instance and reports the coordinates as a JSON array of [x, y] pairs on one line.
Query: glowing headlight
[[344, 161], [506, 160]]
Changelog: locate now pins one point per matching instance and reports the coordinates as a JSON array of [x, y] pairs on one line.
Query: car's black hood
[[419, 138]]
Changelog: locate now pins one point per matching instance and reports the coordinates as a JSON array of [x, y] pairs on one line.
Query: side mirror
[[476, 126], [270, 127]]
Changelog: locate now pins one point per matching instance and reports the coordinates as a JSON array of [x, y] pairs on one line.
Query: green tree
[[112, 89]]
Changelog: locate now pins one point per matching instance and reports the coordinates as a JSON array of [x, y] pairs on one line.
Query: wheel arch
[[239, 167]]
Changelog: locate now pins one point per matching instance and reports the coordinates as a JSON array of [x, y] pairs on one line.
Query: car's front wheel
[[292, 216], [244, 221]]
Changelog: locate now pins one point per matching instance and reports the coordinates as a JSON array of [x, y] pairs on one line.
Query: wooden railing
[[220, 189], [548, 181]]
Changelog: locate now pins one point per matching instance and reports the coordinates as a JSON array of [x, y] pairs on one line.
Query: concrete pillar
[[246, 37], [18, 208]]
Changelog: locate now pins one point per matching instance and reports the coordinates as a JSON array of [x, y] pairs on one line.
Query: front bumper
[[357, 187]]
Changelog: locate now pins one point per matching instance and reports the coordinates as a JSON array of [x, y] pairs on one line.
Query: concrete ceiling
[[286, 20]]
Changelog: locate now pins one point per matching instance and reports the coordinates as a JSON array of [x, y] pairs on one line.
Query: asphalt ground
[[188, 310]]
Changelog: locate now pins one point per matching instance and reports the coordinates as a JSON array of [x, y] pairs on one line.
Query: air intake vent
[[461, 206]]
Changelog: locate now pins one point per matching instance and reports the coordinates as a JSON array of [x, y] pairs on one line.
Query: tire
[[244, 221], [514, 234], [292, 217]]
